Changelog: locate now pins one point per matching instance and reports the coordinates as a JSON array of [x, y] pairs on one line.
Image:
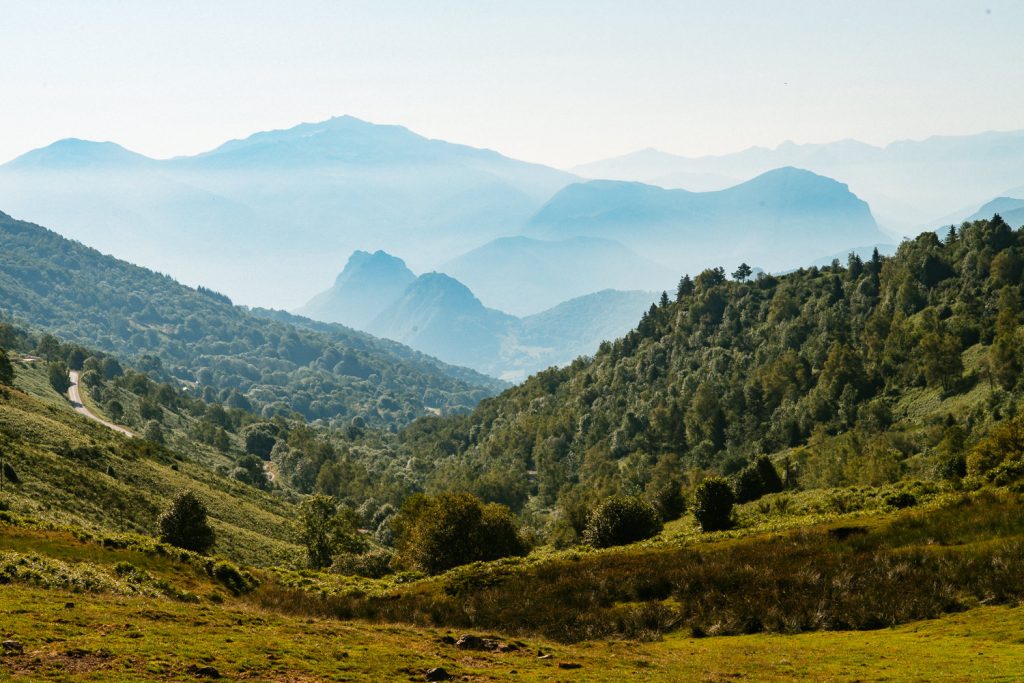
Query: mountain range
[[264, 218], [908, 183], [777, 220], [440, 316], [525, 276], [260, 218]]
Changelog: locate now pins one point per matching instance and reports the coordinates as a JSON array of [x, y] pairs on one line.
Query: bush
[[440, 532], [373, 564], [232, 578], [153, 433], [713, 504], [249, 470], [620, 520], [184, 524], [1004, 442], [953, 467], [748, 485], [757, 479], [10, 475], [771, 482], [667, 498], [901, 500]]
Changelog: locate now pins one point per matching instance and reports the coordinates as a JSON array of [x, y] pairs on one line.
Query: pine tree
[[184, 524], [685, 287], [742, 273]]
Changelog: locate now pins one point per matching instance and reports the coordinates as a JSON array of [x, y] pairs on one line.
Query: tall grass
[[922, 565]]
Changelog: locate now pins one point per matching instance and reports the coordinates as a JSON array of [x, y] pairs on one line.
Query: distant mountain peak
[[367, 284], [377, 263], [76, 152]]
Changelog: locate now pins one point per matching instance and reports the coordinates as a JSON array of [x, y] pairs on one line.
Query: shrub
[[440, 532], [620, 520], [249, 470], [901, 500], [232, 578], [748, 485], [771, 482], [184, 524], [115, 410], [713, 504], [953, 467], [757, 479], [373, 564], [1004, 442], [153, 432], [10, 475], [667, 498]]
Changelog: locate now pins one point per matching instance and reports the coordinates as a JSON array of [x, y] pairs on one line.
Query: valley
[[484, 342]]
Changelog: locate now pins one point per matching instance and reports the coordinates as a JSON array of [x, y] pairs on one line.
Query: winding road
[[76, 402]]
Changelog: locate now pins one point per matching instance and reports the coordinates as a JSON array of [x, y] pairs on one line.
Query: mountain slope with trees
[[224, 352], [863, 373]]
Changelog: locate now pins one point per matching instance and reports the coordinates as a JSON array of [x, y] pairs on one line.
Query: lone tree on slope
[[184, 524]]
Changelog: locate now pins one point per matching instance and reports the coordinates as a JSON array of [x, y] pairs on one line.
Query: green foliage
[[919, 565], [232, 578], [6, 369], [249, 469], [153, 432], [999, 457], [435, 533], [757, 479], [845, 369], [372, 564], [713, 502], [328, 530], [184, 524], [58, 374], [260, 439], [901, 500], [621, 520], [269, 361], [666, 495]]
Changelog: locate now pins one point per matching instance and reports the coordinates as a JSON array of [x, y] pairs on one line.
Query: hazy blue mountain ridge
[[284, 202], [907, 183], [776, 220]]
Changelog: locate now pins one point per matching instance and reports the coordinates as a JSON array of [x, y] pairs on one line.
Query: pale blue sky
[[553, 82]]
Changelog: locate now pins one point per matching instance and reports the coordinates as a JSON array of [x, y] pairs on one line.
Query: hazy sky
[[554, 82]]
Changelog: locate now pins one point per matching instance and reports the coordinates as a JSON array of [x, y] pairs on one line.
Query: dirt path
[[76, 402]]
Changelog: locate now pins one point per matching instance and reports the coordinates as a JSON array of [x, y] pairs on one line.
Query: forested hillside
[[223, 352], [858, 373]]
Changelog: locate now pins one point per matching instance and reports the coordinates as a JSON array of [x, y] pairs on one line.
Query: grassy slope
[[116, 636], [132, 639], [107, 490]]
